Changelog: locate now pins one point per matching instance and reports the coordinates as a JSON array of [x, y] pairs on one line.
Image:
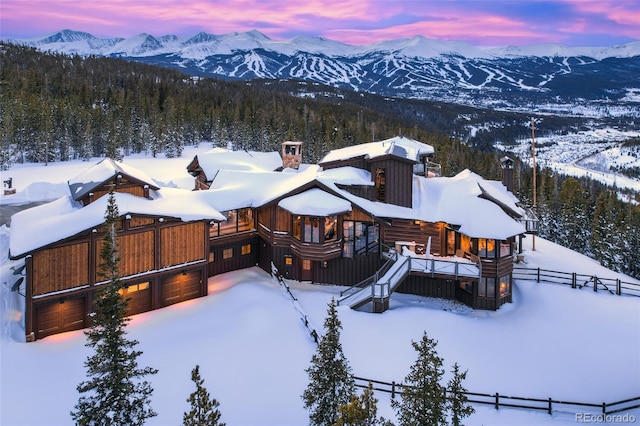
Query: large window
[[505, 248], [360, 238], [487, 287], [451, 242], [487, 248], [237, 221], [313, 229]]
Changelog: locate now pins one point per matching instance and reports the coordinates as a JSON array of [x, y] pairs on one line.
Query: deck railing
[[498, 400]]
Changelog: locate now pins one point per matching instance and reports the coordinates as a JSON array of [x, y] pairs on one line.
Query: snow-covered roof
[[457, 201], [211, 162], [399, 146], [315, 202], [100, 172], [347, 176], [48, 223]]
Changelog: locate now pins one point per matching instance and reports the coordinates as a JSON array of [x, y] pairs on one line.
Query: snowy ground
[[252, 348]]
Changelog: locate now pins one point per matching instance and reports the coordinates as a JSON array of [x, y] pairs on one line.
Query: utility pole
[[535, 190]]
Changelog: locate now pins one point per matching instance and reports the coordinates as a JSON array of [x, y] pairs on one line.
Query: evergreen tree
[[331, 383], [204, 409], [457, 402], [361, 411], [115, 392], [422, 402]]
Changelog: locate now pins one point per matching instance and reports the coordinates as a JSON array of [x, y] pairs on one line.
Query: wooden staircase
[[378, 288]]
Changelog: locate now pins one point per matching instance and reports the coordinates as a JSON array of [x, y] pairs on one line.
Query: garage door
[[58, 317], [181, 287], [139, 296]]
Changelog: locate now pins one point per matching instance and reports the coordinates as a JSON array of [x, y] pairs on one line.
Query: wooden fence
[[575, 280], [498, 400]]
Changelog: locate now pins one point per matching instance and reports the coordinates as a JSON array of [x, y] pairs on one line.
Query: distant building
[[366, 216]]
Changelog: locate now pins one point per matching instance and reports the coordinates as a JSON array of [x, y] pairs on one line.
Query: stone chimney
[[507, 166], [291, 154]]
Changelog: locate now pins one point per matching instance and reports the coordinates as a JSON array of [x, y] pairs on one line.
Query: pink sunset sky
[[480, 22]]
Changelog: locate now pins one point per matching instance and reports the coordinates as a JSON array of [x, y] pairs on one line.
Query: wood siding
[[60, 268], [182, 243], [423, 285], [344, 271], [237, 261], [398, 180], [135, 251]]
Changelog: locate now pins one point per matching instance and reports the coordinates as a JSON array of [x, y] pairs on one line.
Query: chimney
[[507, 166], [291, 154]]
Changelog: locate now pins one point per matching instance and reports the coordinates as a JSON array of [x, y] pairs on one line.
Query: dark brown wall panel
[[182, 243], [60, 268]]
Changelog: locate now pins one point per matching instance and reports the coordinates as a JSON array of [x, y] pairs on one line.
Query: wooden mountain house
[[374, 217]]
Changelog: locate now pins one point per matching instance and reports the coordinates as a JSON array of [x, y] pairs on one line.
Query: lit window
[[505, 285], [486, 247], [288, 260], [330, 228], [246, 249], [306, 264], [466, 286], [227, 253], [212, 256], [245, 219]]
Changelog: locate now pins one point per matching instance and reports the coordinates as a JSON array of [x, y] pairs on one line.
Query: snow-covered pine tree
[[331, 382], [422, 401], [115, 392], [361, 411], [457, 401], [204, 409]]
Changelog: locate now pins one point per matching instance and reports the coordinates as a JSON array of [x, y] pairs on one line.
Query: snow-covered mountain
[[505, 77]]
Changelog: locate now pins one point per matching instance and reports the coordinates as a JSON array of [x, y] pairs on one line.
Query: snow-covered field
[[252, 348]]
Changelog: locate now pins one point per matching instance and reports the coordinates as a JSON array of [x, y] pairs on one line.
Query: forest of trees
[[57, 107]]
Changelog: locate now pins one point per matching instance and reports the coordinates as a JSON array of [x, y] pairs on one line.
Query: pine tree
[[331, 383], [115, 392], [361, 411], [204, 409], [457, 402], [422, 402]]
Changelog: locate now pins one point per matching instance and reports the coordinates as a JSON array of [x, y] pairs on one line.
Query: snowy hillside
[[252, 347]]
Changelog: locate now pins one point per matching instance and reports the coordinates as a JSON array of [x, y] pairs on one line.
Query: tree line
[[57, 107]]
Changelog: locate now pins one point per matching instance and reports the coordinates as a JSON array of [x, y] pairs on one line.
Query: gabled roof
[[211, 162], [102, 172], [37, 227], [400, 147]]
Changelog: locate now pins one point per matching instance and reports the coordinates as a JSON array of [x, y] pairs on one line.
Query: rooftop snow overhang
[[102, 172], [315, 202]]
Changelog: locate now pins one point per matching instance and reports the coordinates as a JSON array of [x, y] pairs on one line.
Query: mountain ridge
[[547, 79], [418, 46]]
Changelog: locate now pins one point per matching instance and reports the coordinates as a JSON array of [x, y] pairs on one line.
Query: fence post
[[538, 274], [618, 287], [595, 283], [573, 280], [393, 389], [497, 400], [549, 409], [604, 408]]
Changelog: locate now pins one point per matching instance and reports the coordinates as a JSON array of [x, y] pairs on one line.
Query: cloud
[[355, 22]]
